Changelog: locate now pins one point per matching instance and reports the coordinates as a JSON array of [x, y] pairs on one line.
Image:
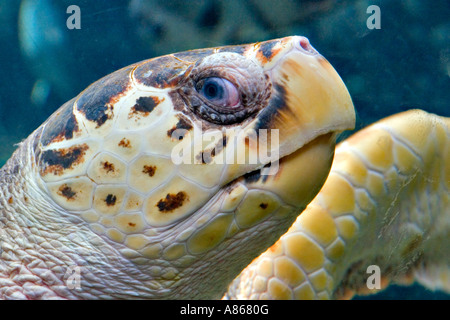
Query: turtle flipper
[[384, 204]]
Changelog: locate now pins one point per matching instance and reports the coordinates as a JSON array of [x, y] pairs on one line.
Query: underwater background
[[402, 65]]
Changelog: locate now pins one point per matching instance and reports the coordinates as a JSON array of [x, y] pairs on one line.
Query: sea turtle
[[153, 183]]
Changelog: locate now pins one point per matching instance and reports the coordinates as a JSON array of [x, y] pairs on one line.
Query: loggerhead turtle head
[[165, 159]]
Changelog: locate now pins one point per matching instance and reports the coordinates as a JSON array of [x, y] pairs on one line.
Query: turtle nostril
[[306, 46], [304, 43]]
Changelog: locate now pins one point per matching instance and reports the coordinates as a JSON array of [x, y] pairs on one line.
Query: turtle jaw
[[299, 175]]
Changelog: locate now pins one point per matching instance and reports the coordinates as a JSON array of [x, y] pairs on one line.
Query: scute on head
[[73, 194]]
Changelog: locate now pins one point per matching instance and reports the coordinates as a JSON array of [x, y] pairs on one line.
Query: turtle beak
[[309, 98], [308, 106]]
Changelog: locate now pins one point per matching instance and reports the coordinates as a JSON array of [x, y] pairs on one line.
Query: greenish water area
[[392, 59]]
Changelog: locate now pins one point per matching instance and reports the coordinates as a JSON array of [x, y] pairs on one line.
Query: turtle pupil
[[212, 89]]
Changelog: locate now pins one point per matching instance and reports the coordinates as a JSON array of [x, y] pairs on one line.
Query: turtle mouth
[[299, 175]]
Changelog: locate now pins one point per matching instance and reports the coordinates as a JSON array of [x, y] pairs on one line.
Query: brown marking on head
[[172, 202], [263, 205], [255, 176], [10, 200], [163, 72], [96, 103], [115, 98], [143, 106], [150, 170], [182, 123], [108, 167], [61, 125], [110, 200], [69, 129], [219, 146], [103, 114], [270, 117], [124, 143], [252, 177], [206, 156], [131, 224], [247, 141], [267, 51], [66, 192], [56, 161], [178, 102]]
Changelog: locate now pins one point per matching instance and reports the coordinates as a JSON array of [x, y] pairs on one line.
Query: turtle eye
[[218, 91]]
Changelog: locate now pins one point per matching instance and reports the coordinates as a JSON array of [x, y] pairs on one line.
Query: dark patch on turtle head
[[204, 157], [207, 156], [99, 114], [124, 143], [179, 129], [219, 146], [276, 104], [255, 176], [149, 170], [108, 166], [66, 192], [263, 205], [266, 51], [56, 161], [167, 71], [110, 200], [162, 72], [145, 105], [172, 202], [96, 103], [61, 125]]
